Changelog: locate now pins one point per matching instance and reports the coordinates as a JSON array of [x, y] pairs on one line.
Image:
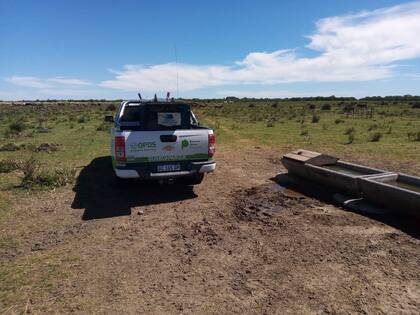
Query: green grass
[[31, 277], [77, 146], [294, 128], [82, 135]]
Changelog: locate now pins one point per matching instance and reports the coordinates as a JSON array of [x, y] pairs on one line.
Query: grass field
[[45, 145], [392, 131], [55, 140]]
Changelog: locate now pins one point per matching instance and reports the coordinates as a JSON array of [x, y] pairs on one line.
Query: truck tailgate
[[155, 146]]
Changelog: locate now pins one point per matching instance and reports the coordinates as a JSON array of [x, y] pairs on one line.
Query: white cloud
[[413, 76], [28, 87], [33, 82], [357, 47], [40, 83], [65, 81]]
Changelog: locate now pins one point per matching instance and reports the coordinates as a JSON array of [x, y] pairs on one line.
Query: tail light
[[212, 142], [120, 148]]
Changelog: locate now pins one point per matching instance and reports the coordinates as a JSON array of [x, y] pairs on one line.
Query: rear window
[[149, 117], [132, 117], [132, 113], [169, 119], [167, 116]]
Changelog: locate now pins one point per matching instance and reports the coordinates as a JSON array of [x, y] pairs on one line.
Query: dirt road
[[235, 244]]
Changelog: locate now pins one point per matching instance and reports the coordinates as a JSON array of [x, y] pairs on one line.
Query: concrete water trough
[[399, 192], [327, 170]]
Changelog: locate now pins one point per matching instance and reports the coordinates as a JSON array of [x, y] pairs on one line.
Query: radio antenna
[[176, 69]]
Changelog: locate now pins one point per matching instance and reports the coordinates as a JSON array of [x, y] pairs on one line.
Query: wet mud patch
[[265, 203]]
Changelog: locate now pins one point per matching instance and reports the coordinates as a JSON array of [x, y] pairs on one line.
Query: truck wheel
[[194, 180]]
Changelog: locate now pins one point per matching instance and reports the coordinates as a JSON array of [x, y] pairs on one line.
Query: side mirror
[[109, 119]]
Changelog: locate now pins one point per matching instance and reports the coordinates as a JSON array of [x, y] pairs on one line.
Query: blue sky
[[113, 49]]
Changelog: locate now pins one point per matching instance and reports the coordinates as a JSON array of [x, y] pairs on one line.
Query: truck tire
[[193, 180]]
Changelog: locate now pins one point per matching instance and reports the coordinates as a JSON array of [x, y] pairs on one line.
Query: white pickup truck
[[160, 140]]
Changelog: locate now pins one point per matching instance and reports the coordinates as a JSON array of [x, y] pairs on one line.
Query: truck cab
[[160, 140]]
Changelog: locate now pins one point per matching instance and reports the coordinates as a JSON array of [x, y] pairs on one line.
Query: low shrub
[[36, 177], [304, 132], [9, 165], [17, 127], [47, 147], [55, 177], [372, 127], [326, 107], [414, 136], [10, 147], [103, 127], [315, 118], [29, 168], [81, 120], [40, 129], [338, 121], [350, 138], [348, 108], [375, 137], [111, 107], [349, 131]]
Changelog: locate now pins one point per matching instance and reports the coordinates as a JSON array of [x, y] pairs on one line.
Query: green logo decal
[[143, 146], [184, 144]]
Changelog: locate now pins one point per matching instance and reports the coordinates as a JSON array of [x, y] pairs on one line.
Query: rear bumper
[[148, 170]]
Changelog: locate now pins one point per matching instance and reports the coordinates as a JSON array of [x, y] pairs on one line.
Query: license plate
[[168, 167]]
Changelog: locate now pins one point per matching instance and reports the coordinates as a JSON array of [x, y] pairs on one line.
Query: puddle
[[276, 187], [285, 191]]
